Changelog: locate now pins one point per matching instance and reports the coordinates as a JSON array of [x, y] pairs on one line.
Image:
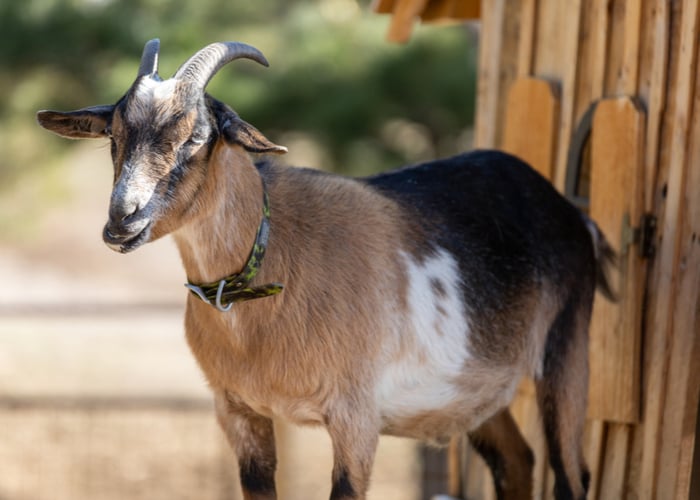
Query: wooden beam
[[455, 10], [599, 44], [405, 14], [616, 205], [629, 83], [570, 41], [594, 445], [667, 272], [658, 34], [488, 83], [526, 40], [683, 380], [531, 124], [615, 463]]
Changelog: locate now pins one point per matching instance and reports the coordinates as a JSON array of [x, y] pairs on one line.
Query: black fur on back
[[506, 225]]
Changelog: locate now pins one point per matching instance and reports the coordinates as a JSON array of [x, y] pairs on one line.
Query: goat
[[409, 303]]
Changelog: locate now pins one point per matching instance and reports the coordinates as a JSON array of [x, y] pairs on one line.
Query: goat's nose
[[126, 200], [120, 210]]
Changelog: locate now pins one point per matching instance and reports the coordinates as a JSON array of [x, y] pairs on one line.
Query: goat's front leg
[[252, 438], [355, 439]]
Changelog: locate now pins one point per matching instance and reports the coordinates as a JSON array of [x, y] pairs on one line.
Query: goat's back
[[503, 221]]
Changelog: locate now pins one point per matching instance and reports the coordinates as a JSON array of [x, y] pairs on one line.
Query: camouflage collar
[[224, 293]]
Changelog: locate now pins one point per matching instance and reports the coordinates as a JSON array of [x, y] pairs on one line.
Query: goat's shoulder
[[324, 195]]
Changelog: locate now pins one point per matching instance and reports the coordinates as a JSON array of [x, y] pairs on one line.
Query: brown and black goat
[[410, 303]]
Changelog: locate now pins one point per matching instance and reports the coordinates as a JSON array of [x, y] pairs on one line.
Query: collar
[[236, 287]]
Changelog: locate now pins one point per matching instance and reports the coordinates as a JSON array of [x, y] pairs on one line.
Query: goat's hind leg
[[500, 444], [562, 393], [252, 438]]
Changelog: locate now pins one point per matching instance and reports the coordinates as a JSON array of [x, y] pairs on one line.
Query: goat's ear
[[81, 124], [237, 131]]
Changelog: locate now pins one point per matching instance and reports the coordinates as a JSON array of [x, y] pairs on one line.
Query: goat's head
[[162, 134]]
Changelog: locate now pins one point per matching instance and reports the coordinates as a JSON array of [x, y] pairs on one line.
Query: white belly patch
[[427, 349]]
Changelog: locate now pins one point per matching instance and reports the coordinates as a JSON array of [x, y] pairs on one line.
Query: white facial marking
[[133, 189], [436, 327], [154, 89]]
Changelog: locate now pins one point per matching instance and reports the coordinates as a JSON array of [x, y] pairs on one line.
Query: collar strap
[[224, 293]]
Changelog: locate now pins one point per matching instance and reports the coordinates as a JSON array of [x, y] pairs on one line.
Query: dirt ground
[[99, 396]]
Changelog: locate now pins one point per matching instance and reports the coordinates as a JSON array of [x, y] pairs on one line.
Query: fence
[[112, 448], [105, 402]]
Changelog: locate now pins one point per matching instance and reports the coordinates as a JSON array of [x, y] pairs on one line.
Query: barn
[[603, 98]]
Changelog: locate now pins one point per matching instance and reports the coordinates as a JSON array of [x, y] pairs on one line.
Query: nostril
[[121, 212]]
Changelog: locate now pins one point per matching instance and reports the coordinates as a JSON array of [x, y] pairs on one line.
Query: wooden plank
[[549, 39], [440, 10], [629, 74], [594, 444], [666, 271], [686, 348], [589, 81], [686, 411], [657, 25], [478, 482], [615, 48], [614, 471], [454, 466], [556, 46], [654, 88], [488, 83], [599, 47], [532, 117], [526, 40], [634, 464], [405, 14], [571, 21], [616, 194], [683, 381]]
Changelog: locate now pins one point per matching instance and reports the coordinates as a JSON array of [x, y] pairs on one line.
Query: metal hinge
[[642, 235]]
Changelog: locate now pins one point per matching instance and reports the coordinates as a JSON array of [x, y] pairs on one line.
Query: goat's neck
[[217, 241]]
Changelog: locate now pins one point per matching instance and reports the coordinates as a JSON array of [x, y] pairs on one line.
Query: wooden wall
[[543, 64]]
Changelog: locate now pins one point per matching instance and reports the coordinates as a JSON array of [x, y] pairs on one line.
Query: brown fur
[[282, 362], [284, 324]]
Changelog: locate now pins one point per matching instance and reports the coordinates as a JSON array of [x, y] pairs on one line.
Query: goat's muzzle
[[130, 212], [127, 228], [125, 237]]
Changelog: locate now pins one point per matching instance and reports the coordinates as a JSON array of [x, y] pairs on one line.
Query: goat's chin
[[128, 244]]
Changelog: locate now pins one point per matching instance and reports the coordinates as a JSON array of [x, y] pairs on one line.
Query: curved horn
[[149, 58], [201, 67]]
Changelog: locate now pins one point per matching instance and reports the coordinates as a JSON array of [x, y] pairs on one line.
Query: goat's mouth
[[125, 242]]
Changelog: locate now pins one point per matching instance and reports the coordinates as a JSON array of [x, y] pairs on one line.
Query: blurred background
[[99, 396]]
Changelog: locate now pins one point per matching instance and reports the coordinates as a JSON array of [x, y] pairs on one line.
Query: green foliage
[[365, 104]]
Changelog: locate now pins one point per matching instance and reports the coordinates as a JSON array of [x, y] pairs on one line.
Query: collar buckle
[[240, 281], [217, 301]]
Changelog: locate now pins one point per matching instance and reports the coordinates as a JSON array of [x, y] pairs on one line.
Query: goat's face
[[162, 134]]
